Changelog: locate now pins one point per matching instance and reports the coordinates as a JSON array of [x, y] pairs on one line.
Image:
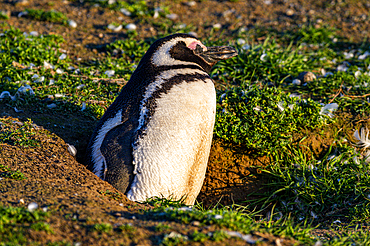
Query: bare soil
[[76, 198]]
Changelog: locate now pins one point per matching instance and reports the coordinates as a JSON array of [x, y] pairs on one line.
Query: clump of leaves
[[264, 119], [51, 16]]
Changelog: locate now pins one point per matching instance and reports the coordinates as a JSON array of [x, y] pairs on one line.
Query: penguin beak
[[216, 53]]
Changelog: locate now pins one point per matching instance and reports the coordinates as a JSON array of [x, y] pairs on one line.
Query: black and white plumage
[[155, 139]]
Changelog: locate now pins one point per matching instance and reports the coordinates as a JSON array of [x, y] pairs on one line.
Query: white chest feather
[[173, 153]]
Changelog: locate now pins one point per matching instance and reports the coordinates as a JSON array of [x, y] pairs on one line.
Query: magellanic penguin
[[155, 139]]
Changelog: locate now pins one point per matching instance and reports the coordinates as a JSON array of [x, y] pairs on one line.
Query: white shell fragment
[[109, 73], [125, 12], [217, 26], [114, 27], [72, 150], [247, 238], [264, 57], [59, 71], [32, 206], [131, 27], [72, 23], [62, 56], [34, 33], [172, 16]]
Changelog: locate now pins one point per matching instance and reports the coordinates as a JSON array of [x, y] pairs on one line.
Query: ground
[[76, 199]]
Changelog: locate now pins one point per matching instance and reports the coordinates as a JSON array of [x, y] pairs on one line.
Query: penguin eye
[[179, 50]]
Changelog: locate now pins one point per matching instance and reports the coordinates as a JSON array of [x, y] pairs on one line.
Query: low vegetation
[[264, 106]]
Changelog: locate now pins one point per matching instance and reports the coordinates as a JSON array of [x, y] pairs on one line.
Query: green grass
[[103, 228], [51, 16], [255, 110], [13, 134], [16, 221], [6, 172], [264, 119]]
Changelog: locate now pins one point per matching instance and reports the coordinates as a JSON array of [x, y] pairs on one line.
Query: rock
[[114, 27], [72, 150], [32, 206], [290, 12], [131, 27], [109, 73], [217, 26], [72, 23], [172, 16], [306, 77], [125, 12], [190, 3]]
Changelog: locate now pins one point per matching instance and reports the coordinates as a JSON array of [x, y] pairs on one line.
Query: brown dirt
[[76, 198]]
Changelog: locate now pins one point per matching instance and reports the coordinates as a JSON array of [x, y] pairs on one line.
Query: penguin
[[154, 140]]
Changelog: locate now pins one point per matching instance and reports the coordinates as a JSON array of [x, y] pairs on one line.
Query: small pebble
[[34, 33], [357, 74], [35, 77], [306, 77], [172, 16], [59, 71], [240, 41], [156, 14], [218, 217], [72, 23], [191, 3], [80, 86], [51, 82], [45, 209], [125, 12], [72, 150], [217, 26], [264, 57], [296, 82], [130, 27], [342, 68], [58, 95], [32, 206], [21, 200], [114, 27], [62, 56], [290, 12], [53, 105], [109, 73], [22, 13], [48, 65]]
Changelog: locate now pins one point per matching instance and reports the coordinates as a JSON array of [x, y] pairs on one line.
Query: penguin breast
[[170, 156]]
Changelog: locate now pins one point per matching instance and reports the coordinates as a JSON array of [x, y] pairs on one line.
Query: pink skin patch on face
[[194, 44]]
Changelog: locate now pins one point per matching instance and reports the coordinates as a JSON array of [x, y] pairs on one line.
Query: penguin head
[[184, 49]]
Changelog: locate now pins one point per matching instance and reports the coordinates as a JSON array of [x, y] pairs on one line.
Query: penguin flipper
[[117, 151]]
